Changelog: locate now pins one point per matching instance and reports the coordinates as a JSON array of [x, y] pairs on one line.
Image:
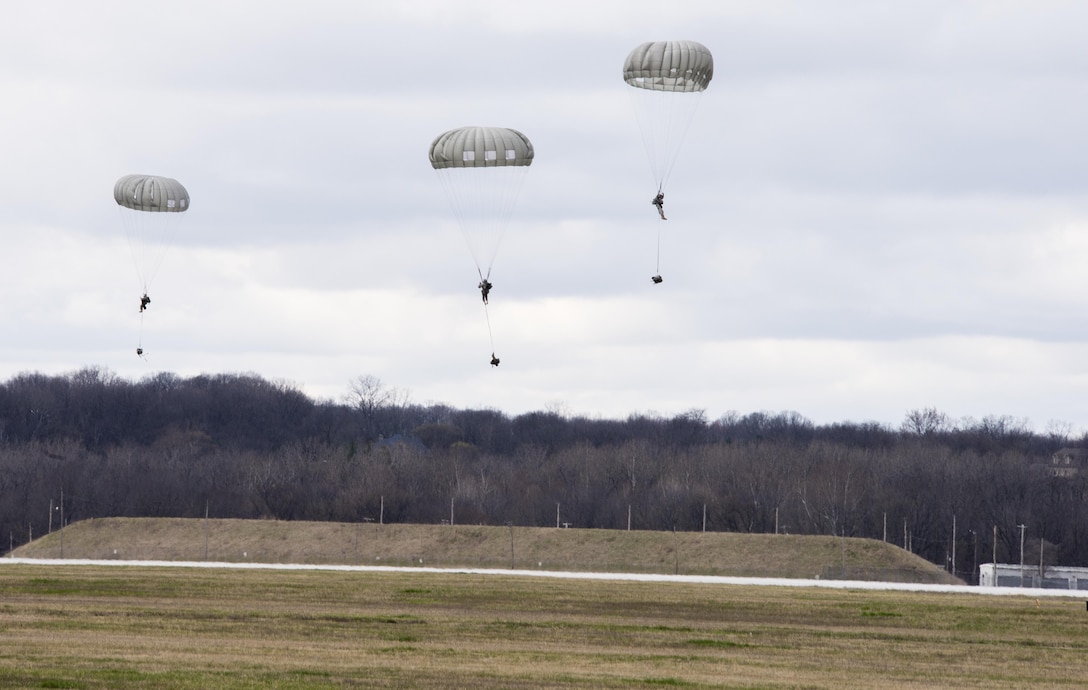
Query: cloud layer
[[878, 206]]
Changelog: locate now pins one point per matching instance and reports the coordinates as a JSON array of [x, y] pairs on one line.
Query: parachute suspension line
[[483, 202], [135, 235], [149, 238], [664, 119], [679, 122]]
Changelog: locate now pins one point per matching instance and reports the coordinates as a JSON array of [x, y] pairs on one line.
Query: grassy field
[[693, 553], [65, 626]]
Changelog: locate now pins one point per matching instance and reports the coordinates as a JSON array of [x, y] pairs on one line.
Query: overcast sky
[[879, 206]]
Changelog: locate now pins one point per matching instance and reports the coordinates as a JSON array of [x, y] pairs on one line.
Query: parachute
[[151, 208], [482, 170], [667, 79]]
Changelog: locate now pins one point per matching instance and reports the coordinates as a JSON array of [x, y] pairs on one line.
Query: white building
[[1048, 577]]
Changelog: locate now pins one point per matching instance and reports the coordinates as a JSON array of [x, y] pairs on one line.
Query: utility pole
[[1040, 561], [842, 542], [62, 522], [676, 549], [511, 524], [1022, 528], [974, 558], [953, 544]]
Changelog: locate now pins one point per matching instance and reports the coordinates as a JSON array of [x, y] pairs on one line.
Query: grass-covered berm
[[690, 553]]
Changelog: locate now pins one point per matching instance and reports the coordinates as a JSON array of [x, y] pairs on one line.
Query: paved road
[[631, 577]]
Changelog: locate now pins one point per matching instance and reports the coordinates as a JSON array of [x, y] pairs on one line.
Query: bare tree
[[378, 405], [925, 422]]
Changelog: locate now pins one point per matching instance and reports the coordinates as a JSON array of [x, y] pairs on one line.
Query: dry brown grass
[[265, 541], [138, 627]]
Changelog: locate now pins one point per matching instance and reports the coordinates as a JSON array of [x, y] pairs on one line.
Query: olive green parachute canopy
[[679, 66], [481, 147], [151, 193], [482, 170], [151, 208]]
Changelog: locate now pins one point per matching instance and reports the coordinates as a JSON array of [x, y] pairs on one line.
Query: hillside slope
[[702, 553]]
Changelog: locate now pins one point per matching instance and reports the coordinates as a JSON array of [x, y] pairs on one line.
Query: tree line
[[957, 492]]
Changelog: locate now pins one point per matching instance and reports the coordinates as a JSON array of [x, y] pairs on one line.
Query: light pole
[[511, 526], [953, 544], [974, 560], [1022, 528]]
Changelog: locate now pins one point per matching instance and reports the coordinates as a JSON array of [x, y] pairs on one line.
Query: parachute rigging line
[[151, 208], [667, 79], [490, 337], [657, 270], [482, 170], [140, 340], [664, 121]]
